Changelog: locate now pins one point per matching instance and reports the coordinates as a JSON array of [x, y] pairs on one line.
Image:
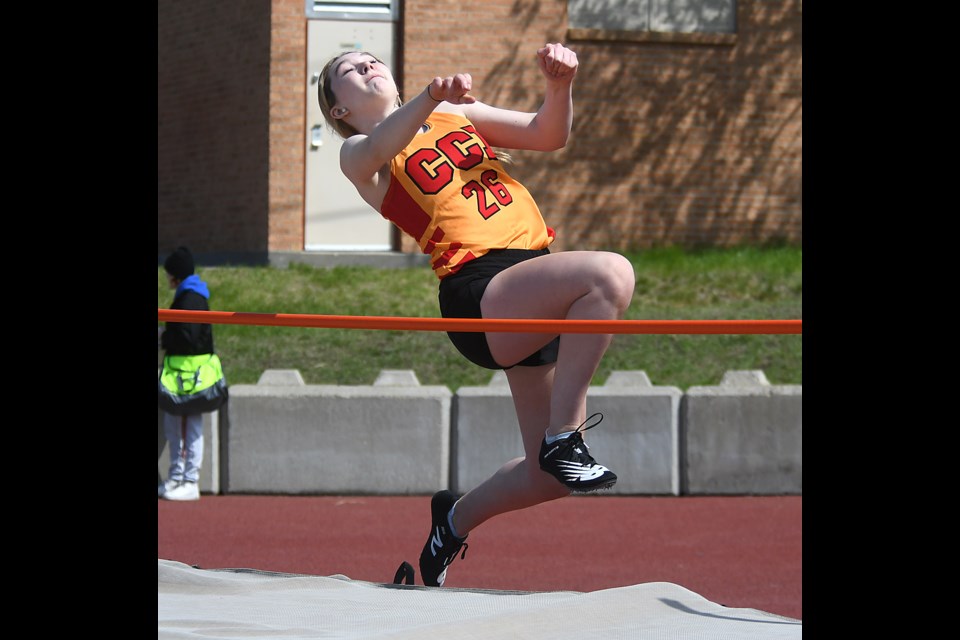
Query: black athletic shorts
[[460, 296]]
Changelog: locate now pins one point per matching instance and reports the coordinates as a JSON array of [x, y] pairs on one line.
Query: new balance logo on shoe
[[436, 542], [575, 471]]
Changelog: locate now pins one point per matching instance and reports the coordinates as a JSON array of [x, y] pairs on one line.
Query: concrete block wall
[[397, 437], [487, 433], [639, 433], [743, 437], [286, 437]]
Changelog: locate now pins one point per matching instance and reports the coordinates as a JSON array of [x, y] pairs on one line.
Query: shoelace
[[576, 438], [581, 427], [449, 560]]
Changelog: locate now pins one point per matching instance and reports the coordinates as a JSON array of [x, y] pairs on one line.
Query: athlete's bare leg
[[585, 285], [519, 483], [573, 285]]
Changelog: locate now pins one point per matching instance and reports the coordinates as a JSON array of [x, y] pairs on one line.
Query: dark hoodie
[[189, 338]]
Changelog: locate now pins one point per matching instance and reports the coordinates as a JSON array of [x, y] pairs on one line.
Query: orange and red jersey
[[449, 193]]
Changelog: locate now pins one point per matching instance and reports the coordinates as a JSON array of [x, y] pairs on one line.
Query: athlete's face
[[358, 77]]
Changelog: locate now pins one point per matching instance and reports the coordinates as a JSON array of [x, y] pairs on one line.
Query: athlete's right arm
[[549, 128], [365, 159]]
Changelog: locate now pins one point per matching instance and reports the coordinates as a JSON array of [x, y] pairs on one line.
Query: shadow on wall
[[702, 142]]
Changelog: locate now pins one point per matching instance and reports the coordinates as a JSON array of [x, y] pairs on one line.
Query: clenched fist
[[453, 89], [557, 62]]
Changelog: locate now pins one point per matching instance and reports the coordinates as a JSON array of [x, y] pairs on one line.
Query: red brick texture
[[673, 143]]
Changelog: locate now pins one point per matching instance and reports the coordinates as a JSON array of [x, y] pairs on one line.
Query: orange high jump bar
[[713, 327]]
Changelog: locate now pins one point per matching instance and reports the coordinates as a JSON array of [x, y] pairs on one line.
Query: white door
[[337, 218]]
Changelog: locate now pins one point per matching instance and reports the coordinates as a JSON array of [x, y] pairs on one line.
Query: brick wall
[[213, 82], [674, 143], [288, 55]]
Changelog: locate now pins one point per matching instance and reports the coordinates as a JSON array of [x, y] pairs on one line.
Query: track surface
[[743, 551]]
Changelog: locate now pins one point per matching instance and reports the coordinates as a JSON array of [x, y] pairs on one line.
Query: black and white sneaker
[[568, 461], [442, 546]]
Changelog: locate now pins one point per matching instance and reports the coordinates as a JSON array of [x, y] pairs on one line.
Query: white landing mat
[[248, 603]]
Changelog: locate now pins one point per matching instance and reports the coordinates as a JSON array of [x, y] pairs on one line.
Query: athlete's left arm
[[548, 128]]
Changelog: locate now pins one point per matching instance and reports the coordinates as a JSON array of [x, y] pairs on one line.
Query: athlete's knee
[[618, 280]]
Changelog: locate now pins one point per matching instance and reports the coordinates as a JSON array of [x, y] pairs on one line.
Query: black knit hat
[[179, 264]]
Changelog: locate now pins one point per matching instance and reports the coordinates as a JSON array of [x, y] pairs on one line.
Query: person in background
[[185, 433], [432, 166]]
